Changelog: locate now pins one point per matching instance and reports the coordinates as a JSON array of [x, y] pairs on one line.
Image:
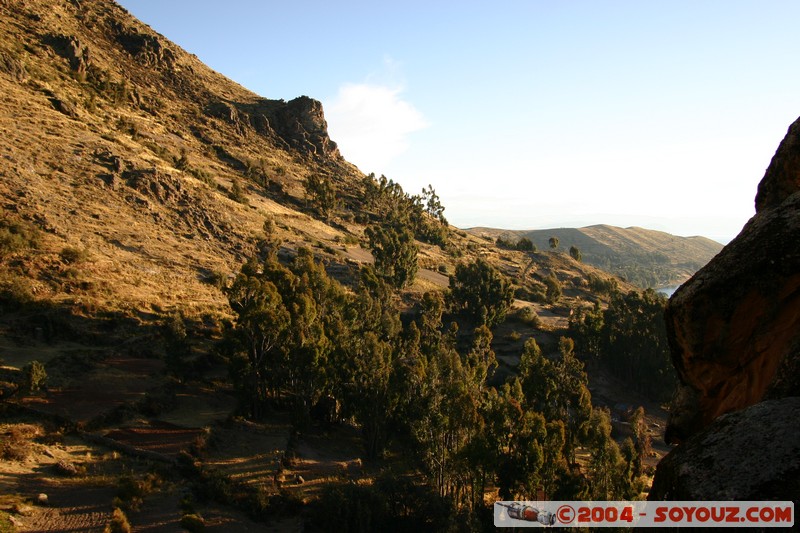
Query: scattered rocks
[[65, 107], [153, 183], [146, 48], [70, 48], [13, 66]]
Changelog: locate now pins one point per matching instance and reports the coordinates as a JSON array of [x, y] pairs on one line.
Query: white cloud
[[371, 124]]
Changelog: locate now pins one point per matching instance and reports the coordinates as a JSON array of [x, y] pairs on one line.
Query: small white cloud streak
[[371, 124]]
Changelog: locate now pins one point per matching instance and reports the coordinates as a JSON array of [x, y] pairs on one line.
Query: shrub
[[70, 254], [34, 377], [193, 522], [182, 162], [16, 445], [119, 523], [528, 316], [201, 175], [131, 490], [217, 278], [602, 286], [17, 236], [552, 289], [16, 294], [237, 193]]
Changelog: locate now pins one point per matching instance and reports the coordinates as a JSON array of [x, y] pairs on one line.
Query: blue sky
[[529, 114]]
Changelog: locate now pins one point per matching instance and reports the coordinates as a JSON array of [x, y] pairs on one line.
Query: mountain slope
[[120, 145], [645, 257]]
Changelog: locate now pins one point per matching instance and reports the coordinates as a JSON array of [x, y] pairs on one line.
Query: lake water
[[668, 290]]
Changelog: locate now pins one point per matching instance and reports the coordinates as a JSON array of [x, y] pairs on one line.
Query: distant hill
[[647, 258]]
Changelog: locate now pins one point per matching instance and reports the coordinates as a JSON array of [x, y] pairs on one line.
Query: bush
[[602, 286], [70, 254], [5, 523], [34, 377], [217, 279], [528, 316], [16, 294], [119, 523], [237, 193], [193, 522], [552, 289], [17, 236], [131, 490], [16, 445]]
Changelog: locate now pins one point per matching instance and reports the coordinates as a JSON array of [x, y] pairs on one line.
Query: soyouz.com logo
[[644, 514]]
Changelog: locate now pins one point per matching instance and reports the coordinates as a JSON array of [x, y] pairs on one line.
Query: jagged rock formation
[[298, 124], [734, 331]]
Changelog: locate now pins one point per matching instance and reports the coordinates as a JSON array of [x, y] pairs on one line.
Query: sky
[[528, 114]]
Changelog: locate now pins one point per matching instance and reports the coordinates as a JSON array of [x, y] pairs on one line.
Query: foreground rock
[[734, 328], [753, 454], [734, 332]]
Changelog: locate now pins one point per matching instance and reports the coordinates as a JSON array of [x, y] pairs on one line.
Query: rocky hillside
[[647, 258], [133, 176], [734, 332], [118, 144]]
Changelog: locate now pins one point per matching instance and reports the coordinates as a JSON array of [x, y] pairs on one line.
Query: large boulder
[[734, 333], [753, 454], [734, 328]]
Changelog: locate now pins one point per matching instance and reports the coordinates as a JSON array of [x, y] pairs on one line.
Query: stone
[[753, 454], [782, 178], [734, 334], [734, 327]]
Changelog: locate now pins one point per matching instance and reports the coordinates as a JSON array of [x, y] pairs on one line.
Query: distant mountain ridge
[[645, 257]]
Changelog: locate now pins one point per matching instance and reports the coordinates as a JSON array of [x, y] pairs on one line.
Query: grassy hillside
[[646, 258]]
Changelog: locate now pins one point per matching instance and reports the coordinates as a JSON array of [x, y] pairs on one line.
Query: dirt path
[[437, 279]]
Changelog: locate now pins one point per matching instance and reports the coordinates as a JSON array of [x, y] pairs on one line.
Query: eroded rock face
[[734, 332], [298, 123], [301, 123], [734, 328], [753, 454], [782, 178]]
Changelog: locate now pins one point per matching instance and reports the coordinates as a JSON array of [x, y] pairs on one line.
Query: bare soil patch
[[249, 453], [200, 407], [114, 382], [321, 457], [160, 437]]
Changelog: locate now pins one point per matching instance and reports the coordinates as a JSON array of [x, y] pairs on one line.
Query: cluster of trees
[[301, 337], [630, 339], [523, 245], [322, 194], [422, 215]]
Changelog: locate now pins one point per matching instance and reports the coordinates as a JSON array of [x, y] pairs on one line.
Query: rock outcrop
[[727, 461], [734, 328], [734, 332], [301, 123], [298, 124]]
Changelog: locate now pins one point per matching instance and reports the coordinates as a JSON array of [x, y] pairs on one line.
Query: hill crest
[[645, 257]]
